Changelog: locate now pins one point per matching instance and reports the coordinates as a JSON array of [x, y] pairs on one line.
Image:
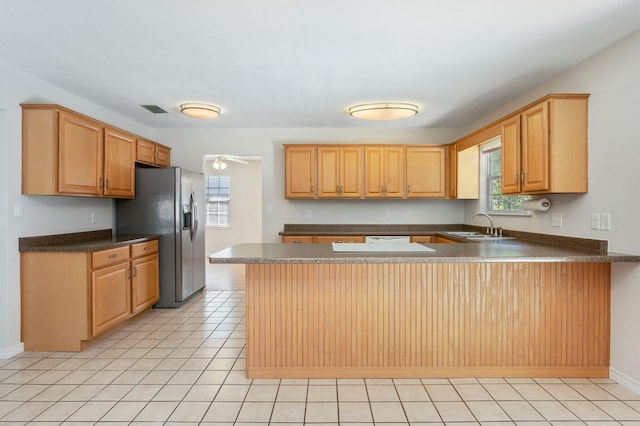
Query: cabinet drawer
[[109, 257], [298, 239], [340, 239], [143, 249]]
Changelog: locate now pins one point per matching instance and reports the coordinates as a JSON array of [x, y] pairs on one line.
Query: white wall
[[245, 206], [190, 145], [42, 215], [613, 80]]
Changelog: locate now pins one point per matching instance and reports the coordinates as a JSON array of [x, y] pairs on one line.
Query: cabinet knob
[[408, 189], [113, 256]]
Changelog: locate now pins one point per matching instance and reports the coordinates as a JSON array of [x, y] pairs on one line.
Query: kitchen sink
[[462, 233]]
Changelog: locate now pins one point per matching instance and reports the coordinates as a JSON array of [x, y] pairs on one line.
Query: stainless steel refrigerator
[[170, 202]]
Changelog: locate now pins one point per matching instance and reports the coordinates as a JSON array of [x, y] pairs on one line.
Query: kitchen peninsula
[[506, 309]]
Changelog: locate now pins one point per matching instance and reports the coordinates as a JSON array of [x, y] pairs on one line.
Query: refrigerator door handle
[[194, 211]]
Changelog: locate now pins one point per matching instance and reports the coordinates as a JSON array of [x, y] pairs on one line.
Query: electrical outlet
[[93, 217], [605, 221], [556, 220], [595, 221], [309, 214], [269, 209], [17, 210], [387, 215]]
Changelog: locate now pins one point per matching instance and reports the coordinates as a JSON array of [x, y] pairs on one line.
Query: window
[[491, 197], [217, 192]]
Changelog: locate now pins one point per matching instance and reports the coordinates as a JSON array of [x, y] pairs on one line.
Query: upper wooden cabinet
[[152, 153], [300, 171], [66, 153], [365, 171], [384, 171], [339, 172], [78, 157], [425, 171], [119, 170], [464, 172], [544, 148]]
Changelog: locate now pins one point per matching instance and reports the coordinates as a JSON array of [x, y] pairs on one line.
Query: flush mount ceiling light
[[198, 110], [383, 111]]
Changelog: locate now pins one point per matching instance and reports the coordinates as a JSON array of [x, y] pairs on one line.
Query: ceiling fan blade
[[236, 160]]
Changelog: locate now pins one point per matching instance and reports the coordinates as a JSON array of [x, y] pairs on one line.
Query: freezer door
[[191, 234]]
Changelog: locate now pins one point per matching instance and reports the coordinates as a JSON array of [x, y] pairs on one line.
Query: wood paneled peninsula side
[[507, 309]]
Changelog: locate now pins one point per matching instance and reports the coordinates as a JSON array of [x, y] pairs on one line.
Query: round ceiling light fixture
[[200, 110], [383, 111]]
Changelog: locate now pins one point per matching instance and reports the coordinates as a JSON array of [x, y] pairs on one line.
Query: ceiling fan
[[220, 161]]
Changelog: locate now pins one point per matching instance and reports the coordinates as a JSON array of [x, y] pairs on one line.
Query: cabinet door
[[453, 170], [119, 159], [79, 155], [144, 283], [300, 171], [351, 172], [394, 172], [328, 172], [425, 172], [163, 156], [110, 297], [145, 151], [535, 148], [421, 239], [373, 171], [510, 146]]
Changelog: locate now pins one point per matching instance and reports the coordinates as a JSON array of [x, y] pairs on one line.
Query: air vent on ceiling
[[154, 109]]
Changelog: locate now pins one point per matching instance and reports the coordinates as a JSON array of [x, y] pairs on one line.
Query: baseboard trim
[[622, 379], [6, 353]]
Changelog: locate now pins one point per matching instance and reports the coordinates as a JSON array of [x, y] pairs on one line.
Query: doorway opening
[[233, 212]]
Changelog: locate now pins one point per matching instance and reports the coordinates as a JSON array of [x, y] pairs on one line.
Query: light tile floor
[[186, 366]]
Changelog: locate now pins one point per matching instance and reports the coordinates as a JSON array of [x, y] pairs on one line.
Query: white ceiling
[[301, 63]]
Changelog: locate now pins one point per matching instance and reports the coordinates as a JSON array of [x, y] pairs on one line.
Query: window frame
[[221, 201], [485, 203]]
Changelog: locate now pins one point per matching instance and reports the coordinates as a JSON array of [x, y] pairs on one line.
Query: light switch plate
[[595, 221], [556, 220], [605, 221]]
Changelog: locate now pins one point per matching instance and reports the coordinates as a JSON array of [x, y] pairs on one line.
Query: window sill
[[219, 226], [503, 213]]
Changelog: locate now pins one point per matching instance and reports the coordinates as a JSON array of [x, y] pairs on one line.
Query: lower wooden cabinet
[[144, 276], [440, 239], [340, 239], [422, 239], [71, 298], [300, 239], [110, 297]]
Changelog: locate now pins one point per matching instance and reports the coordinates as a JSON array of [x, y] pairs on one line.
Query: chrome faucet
[[491, 227]]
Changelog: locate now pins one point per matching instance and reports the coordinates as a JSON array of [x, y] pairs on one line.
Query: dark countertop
[[80, 241], [502, 251], [436, 229]]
